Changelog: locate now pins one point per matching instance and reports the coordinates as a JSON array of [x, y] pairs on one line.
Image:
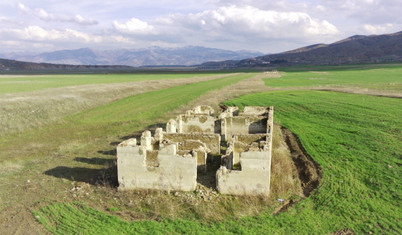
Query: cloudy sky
[[259, 25]]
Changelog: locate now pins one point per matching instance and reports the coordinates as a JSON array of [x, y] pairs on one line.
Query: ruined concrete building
[[170, 159]]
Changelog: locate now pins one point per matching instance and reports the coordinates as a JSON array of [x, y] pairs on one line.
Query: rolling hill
[[353, 50]]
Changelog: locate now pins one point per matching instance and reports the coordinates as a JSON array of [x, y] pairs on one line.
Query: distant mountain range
[[12, 66], [154, 56], [353, 50]]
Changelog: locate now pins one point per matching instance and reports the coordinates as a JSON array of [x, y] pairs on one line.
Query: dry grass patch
[[22, 111], [363, 91], [215, 97], [10, 166], [205, 203], [284, 176]]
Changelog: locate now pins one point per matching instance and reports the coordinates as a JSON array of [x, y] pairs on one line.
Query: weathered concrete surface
[[198, 120], [254, 111], [238, 182], [195, 123], [169, 160], [197, 147], [252, 179], [241, 125], [202, 109], [253, 153], [139, 167], [242, 143], [212, 141]]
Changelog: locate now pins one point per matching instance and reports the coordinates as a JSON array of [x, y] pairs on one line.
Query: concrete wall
[[202, 109], [242, 143], [270, 121], [139, 168], [212, 141], [241, 125], [196, 147], [195, 124], [253, 152], [252, 179], [254, 111]]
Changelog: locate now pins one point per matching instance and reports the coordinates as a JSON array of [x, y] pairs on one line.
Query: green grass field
[[388, 78], [118, 118], [356, 140], [12, 84], [80, 147]]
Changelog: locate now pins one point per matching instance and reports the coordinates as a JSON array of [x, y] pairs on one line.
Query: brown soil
[[309, 172]]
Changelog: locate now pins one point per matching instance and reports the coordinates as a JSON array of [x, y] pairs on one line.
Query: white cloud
[[37, 33], [81, 20], [377, 29], [24, 8], [134, 26], [268, 26], [236, 21], [45, 16], [3, 19], [119, 39]]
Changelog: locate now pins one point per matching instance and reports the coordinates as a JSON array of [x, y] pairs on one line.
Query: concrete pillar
[[146, 140], [179, 124], [171, 126], [158, 134]]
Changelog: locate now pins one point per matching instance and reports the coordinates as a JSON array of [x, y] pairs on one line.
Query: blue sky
[[259, 25]]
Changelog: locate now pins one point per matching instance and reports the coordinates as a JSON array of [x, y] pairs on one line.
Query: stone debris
[[80, 189], [170, 159]]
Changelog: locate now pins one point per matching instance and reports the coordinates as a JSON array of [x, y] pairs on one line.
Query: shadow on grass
[[111, 152], [103, 177], [106, 176], [96, 160], [136, 135]]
